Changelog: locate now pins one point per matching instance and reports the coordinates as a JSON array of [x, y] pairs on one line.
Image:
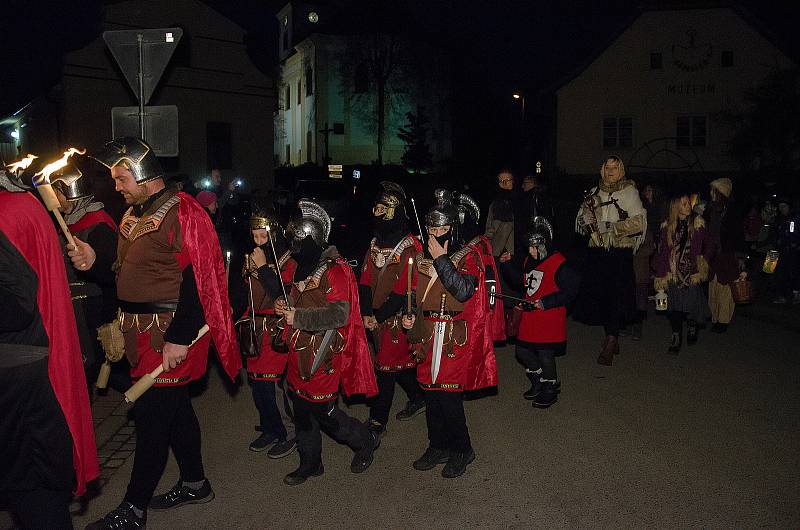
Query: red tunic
[[192, 240], [28, 227], [386, 271], [549, 325], [351, 365], [269, 365], [467, 361]]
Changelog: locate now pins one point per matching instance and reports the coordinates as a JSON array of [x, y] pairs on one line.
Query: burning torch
[[41, 181]]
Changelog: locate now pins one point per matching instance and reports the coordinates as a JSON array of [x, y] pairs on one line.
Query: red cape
[[482, 366], [357, 375], [29, 228], [201, 244], [91, 219], [498, 313]]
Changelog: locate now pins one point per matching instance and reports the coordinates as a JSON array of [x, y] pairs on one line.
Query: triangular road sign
[[157, 47]]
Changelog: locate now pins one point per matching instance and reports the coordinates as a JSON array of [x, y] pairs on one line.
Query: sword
[[322, 350], [277, 266], [438, 342], [416, 216]]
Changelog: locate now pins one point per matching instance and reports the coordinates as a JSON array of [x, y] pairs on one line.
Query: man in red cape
[[327, 346], [170, 283], [46, 433]]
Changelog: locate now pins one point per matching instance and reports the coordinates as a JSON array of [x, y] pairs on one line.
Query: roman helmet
[[72, 183], [390, 201], [313, 221], [540, 236], [133, 154]]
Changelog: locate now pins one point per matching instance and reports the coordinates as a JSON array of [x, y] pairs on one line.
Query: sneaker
[[262, 442], [412, 409], [121, 518], [282, 448], [181, 495], [431, 458], [457, 464], [301, 474], [362, 458]]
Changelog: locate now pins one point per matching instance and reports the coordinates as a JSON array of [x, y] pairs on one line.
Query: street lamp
[[519, 96]]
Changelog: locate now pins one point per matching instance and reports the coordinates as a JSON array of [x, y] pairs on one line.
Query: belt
[[148, 307], [438, 314]]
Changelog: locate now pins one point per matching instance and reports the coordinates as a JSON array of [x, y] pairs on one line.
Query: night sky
[[497, 47]]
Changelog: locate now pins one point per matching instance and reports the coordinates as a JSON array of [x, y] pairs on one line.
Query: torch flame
[[52, 167], [22, 165]]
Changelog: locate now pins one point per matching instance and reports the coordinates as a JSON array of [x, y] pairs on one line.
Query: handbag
[[247, 338]]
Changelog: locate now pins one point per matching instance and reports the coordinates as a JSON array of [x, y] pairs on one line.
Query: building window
[[338, 128], [285, 39], [309, 81], [288, 154], [361, 81], [691, 131], [288, 97], [726, 60], [219, 149], [617, 132], [656, 61], [308, 146], [299, 94]]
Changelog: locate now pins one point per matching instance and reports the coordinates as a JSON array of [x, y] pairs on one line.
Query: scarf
[[682, 261], [616, 186]]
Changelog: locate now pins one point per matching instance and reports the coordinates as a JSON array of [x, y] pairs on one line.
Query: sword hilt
[[443, 306]]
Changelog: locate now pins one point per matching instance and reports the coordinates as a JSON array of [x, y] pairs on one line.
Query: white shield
[[533, 280]]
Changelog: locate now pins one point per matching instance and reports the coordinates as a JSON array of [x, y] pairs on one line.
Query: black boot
[[691, 333], [362, 458], [533, 377], [299, 475], [675, 345], [547, 396]]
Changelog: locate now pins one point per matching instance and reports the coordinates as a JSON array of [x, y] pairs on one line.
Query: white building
[[225, 104], [654, 95], [311, 99]]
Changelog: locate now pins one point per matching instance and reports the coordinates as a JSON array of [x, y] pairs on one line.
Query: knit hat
[[206, 198], [722, 185]]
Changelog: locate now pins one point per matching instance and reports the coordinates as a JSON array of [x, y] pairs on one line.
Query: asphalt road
[[706, 439]]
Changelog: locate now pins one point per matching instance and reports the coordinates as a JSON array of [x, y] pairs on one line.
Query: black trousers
[[264, 397], [312, 418], [165, 420], [40, 509], [381, 404], [534, 358], [447, 424]]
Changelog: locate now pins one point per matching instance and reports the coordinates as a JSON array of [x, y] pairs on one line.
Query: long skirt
[[607, 296]]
